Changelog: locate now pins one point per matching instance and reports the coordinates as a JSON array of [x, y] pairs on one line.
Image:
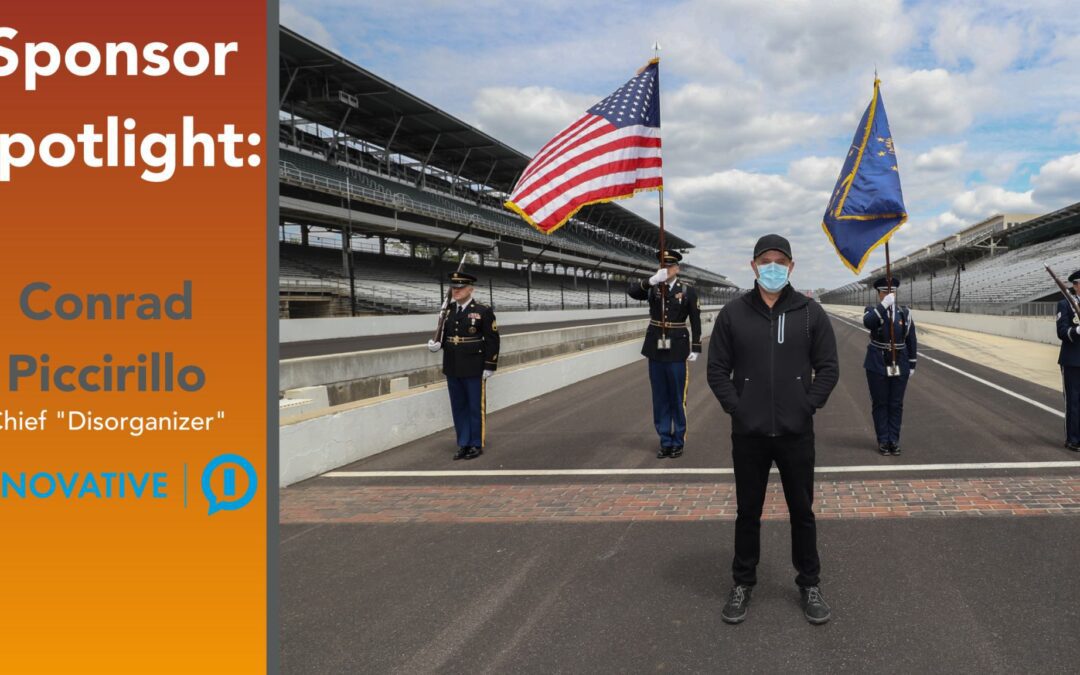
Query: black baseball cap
[[772, 242]]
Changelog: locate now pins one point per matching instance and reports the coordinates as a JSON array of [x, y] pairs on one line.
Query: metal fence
[[996, 309]]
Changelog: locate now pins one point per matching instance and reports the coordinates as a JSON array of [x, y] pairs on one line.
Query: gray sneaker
[[738, 600], [815, 609]]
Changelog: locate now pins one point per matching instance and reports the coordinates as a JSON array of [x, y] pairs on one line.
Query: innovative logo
[[227, 465], [223, 485]]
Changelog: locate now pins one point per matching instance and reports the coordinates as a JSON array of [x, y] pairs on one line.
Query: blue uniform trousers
[[887, 404], [1070, 376], [467, 403], [670, 381]]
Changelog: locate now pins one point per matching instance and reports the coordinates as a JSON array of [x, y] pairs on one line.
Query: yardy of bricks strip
[[1021, 496]]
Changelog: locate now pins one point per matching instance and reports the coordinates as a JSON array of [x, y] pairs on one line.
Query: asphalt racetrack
[[569, 548]]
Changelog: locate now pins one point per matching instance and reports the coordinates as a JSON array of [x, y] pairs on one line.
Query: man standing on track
[[888, 384], [668, 346], [470, 344], [1068, 330], [772, 364]]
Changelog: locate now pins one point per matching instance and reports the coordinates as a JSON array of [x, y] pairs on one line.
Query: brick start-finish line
[[682, 501]]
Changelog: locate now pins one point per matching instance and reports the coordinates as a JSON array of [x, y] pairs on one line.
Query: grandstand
[[992, 267], [381, 194]]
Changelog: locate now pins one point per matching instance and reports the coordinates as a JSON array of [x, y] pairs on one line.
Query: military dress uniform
[[1068, 330], [678, 318], [887, 392], [470, 346]]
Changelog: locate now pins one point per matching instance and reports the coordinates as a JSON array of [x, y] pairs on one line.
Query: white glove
[[911, 373], [693, 357], [488, 373], [434, 346], [658, 278], [445, 302], [889, 300]]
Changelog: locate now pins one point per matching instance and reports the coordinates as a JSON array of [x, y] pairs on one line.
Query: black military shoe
[[884, 449], [472, 452], [738, 600], [815, 609], [675, 452], [894, 448], [461, 452], [1075, 447], [663, 452]]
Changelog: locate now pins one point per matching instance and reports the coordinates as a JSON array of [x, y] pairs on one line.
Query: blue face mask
[[772, 276]]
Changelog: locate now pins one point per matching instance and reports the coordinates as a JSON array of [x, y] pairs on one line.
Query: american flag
[[610, 152]]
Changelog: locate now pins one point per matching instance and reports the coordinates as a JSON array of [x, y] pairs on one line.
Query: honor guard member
[[1068, 330], [470, 344], [668, 346], [888, 382]]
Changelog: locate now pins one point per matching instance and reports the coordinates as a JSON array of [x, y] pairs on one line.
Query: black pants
[[1070, 376], [753, 457]]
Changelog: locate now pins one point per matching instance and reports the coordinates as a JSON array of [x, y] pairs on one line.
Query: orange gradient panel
[[136, 584]]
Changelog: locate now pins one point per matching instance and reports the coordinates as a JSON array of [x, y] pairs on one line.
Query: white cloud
[[307, 25], [527, 117], [1068, 123], [709, 127], [815, 173], [925, 102], [1058, 182], [962, 38], [800, 42], [984, 201], [941, 158]]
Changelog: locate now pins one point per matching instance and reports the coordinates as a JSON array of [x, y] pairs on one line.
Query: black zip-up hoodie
[[771, 369]]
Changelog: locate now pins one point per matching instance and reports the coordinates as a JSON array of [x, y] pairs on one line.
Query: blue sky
[[760, 100]]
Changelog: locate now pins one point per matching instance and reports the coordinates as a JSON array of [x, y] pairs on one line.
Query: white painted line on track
[[1025, 399], [867, 468]]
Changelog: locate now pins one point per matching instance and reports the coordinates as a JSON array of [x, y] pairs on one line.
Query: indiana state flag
[[867, 205]]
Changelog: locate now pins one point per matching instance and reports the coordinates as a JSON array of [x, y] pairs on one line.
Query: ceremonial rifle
[[446, 304], [1068, 296], [663, 343]]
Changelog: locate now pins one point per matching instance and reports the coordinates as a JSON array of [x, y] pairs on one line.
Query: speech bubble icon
[[229, 463]]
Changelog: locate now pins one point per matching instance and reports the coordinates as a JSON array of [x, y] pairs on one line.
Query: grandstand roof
[[327, 88], [1055, 224]]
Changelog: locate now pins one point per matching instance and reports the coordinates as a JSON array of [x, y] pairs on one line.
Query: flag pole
[[663, 249], [892, 320]]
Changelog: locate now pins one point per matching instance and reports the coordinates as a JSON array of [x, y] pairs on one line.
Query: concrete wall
[[313, 445], [317, 370], [316, 443], [1033, 328], [303, 330]]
